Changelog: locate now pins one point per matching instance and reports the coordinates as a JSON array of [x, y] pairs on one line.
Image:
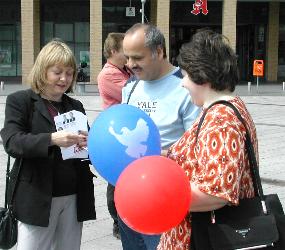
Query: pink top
[[111, 80]]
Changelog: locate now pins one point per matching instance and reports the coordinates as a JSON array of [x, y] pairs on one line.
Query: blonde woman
[[52, 196]]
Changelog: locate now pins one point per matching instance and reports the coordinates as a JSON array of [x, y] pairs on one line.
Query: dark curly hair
[[208, 57]]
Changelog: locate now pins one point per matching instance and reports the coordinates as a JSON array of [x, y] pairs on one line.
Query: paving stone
[[267, 107]]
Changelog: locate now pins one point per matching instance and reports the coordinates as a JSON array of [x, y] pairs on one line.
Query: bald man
[[157, 91]]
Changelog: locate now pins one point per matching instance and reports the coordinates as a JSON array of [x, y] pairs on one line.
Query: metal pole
[[2, 85], [283, 87], [248, 86], [257, 82], [142, 10]]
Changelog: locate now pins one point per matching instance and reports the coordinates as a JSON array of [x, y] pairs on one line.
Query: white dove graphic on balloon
[[133, 139]]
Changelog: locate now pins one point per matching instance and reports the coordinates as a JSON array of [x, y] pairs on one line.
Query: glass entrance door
[[250, 46], [245, 51]]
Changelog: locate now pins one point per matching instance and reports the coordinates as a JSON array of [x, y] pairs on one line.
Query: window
[[281, 49], [76, 35], [281, 52], [10, 50]]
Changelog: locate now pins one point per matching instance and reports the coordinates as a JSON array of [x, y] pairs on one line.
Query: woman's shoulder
[[20, 92], [21, 95], [222, 109], [75, 103], [221, 116]]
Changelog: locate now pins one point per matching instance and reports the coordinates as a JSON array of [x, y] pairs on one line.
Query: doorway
[[181, 34], [250, 46]]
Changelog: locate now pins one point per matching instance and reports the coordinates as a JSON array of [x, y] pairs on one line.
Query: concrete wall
[[271, 62], [30, 24], [162, 20], [95, 39], [229, 21], [160, 12]]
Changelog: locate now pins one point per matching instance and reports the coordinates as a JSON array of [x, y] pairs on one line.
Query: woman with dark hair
[[215, 159]]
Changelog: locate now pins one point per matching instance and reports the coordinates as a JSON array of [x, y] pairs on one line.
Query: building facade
[[255, 28]]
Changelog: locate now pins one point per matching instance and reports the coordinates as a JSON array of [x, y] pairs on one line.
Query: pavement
[[267, 107]]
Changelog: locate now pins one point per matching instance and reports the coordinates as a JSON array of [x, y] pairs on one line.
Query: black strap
[[249, 147], [7, 181], [9, 204], [132, 90]]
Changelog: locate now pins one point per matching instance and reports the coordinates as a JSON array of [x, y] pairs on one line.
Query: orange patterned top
[[218, 165]]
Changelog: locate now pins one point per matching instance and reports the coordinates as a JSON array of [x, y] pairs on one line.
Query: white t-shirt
[[166, 102]]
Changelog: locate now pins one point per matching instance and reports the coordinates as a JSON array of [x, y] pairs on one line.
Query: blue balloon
[[120, 135]]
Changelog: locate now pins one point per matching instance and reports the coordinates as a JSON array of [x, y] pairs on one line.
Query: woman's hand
[[67, 139], [202, 202], [83, 143]]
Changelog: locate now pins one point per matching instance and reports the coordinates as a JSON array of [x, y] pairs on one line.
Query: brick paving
[[267, 106]]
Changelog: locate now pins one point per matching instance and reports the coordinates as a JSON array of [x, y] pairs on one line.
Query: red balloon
[[152, 195]]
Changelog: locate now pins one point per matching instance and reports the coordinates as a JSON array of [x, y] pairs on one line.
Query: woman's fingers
[[81, 132], [82, 141], [67, 139]]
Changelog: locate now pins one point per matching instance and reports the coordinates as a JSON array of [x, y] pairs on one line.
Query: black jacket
[[26, 137]]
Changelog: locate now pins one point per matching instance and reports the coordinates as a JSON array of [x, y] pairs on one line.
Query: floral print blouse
[[217, 163]]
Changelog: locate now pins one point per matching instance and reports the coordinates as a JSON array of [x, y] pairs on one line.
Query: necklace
[[52, 107], [58, 113]]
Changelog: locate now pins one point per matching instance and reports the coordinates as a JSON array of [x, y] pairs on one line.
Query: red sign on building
[[200, 6]]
